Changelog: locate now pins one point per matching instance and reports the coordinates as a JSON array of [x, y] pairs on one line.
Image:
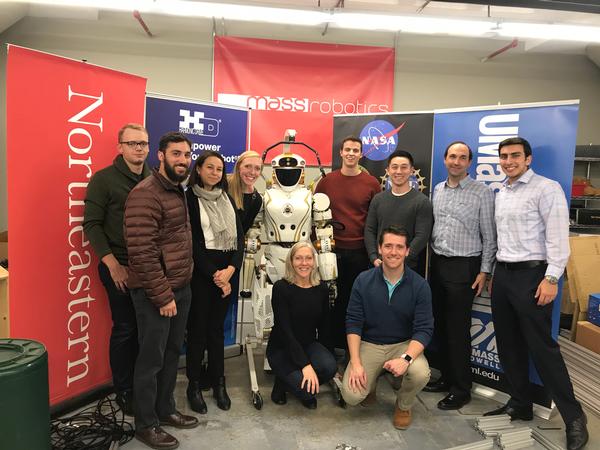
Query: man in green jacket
[[103, 224]]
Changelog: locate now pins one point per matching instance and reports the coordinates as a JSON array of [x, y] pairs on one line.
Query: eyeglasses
[[134, 144]]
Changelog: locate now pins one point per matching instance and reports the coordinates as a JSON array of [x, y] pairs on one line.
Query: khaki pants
[[373, 356]]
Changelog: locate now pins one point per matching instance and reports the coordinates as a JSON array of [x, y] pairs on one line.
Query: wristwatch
[[407, 358], [550, 279]]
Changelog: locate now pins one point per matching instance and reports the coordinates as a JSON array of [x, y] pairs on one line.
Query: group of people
[[170, 262]]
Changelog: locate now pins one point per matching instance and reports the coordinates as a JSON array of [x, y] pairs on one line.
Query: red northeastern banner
[[59, 131], [301, 86]]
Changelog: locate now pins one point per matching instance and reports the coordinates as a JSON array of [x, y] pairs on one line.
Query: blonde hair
[[290, 273], [131, 126], [236, 188]]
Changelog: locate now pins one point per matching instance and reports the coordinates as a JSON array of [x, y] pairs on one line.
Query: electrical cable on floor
[[99, 427]]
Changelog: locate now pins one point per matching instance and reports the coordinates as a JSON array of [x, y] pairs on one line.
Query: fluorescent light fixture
[[550, 31], [421, 24], [202, 9], [413, 24]]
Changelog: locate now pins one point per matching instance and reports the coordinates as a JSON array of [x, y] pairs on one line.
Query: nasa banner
[[301, 85], [59, 133], [209, 126], [381, 135], [551, 128]]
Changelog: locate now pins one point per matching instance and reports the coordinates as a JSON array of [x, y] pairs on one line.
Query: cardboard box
[[567, 306], [593, 314], [588, 336], [582, 268]]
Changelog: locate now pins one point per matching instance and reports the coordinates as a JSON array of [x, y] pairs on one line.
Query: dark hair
[[195, 178], [459, 142], [516, 141], [401, 154], [395, 230], [351, 138], [172, 136]]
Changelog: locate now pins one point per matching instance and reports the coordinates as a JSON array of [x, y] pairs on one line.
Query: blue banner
[[551, 128], [210, 126]]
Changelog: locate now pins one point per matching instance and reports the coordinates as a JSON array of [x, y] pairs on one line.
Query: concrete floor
[[293, 427]]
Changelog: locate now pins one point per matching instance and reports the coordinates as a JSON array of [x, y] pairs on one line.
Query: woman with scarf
[[218, 245]]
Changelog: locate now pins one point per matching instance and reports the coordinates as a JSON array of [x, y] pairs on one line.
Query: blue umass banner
[[551, 128], [210, 126]]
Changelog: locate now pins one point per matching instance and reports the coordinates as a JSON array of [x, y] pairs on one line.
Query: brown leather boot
[[157, 438], [402, 418]]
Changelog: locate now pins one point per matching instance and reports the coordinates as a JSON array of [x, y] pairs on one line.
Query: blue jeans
[[320, 359]]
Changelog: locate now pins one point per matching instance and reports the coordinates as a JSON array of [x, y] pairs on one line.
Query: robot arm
[[325, 243]]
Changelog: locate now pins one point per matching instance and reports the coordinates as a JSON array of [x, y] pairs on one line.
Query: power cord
[[99, 427]]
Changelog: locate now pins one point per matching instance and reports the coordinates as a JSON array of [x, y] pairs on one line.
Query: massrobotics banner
[[209, 126], [66, 129], [301, 85], [551, 128]]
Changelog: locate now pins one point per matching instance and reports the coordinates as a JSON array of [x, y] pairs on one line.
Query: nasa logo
[[379, 139]]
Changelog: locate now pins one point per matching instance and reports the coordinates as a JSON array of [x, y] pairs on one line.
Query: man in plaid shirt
[[532, 222], [464, 245]]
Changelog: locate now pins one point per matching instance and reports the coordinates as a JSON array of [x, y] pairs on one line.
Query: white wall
[[431, 72]]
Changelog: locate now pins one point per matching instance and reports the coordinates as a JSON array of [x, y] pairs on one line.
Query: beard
[[174, 176]]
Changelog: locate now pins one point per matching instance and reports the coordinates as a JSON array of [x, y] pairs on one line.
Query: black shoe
[[220, 394], [310, 403], [452, 401], [278, 393], [514, 413], [577, 433], [437, 386], [125, 401], [194, 395]]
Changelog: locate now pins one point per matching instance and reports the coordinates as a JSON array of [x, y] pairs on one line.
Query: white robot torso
[[287, 215]]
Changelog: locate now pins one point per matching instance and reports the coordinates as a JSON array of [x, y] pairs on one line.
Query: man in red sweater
[[350, 191]]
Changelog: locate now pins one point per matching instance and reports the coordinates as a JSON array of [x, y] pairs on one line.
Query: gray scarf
[[221, 216]]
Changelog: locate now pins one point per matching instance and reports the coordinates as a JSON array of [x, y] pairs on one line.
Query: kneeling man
[[389, 323]]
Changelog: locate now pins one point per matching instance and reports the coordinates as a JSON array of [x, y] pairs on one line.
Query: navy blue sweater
[[379, 319]]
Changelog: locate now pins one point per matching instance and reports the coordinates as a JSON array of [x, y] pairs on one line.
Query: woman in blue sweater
[[299, 349]]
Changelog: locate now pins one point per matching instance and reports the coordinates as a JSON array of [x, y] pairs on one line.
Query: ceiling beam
[[585, 6]]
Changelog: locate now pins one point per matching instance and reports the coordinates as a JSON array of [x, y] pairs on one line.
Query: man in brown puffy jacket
[[159, 244]]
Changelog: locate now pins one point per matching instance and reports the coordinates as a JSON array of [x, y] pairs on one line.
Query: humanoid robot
[[291, 212]]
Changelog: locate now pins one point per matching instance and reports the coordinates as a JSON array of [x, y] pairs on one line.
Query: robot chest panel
[[288, 215]]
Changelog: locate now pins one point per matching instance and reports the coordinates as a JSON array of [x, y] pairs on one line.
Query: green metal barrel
[[24, 407]]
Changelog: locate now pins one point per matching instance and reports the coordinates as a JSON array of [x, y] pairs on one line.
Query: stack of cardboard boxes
[[583, 288], [588, 332]]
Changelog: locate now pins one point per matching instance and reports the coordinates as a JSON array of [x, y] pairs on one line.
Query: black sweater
[[252, 204], [299, 314], [203, 263]]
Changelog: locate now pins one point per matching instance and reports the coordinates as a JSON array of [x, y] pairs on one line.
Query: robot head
[[288, 171]]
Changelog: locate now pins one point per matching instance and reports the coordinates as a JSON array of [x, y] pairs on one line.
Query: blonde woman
[[299, 349], [241, 187]]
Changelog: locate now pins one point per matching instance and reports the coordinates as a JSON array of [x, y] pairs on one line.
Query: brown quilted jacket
[[159, 238]]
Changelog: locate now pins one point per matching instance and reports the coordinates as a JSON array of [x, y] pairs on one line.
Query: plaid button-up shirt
[[532, 221], [464, 221]]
